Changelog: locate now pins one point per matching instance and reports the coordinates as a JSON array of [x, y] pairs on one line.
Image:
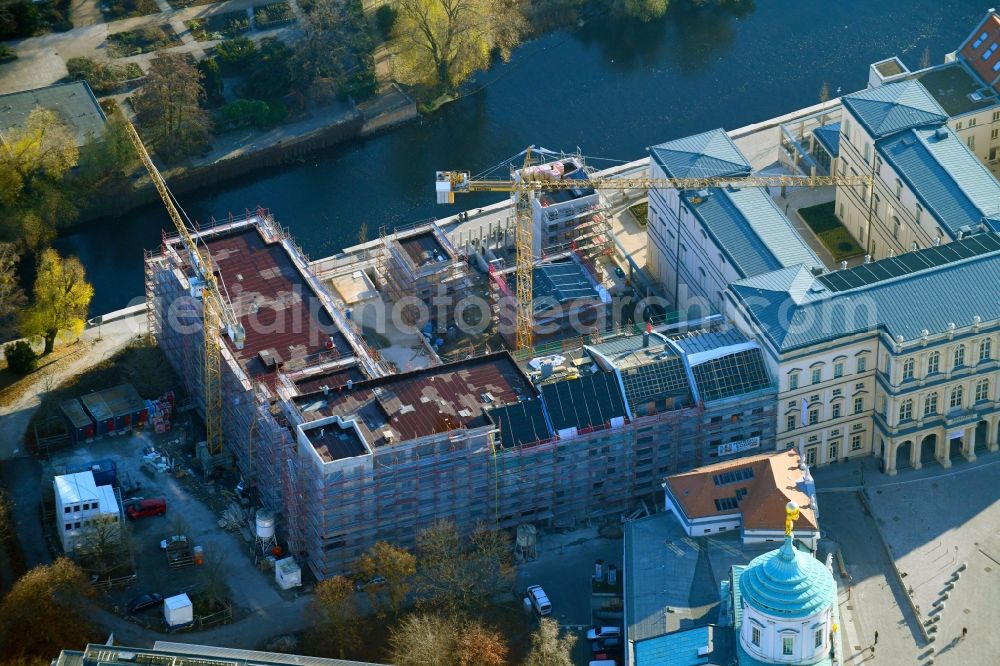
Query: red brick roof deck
[[416, 404], [274, 301]]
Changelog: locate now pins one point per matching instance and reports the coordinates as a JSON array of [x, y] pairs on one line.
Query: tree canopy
[[45, 612], [169, 107], [440, 43], [34, 159], [548, 648], [397, 566], [61, 298], [436, 640], [335, 613]]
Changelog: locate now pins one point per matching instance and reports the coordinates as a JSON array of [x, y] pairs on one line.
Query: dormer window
[[989, 51], [979, 41]]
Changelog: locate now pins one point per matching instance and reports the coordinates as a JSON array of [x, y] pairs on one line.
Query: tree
[[104, 548], [442, 42], [269, 75], [52, 597], [321, 52], [548, 648], [34, 159], [61, 298], [644, 10], [236, 53], [438, 640], [169, 106], [394, 564], [107, 161], [6, 517], [824, 92], [212, 73], [213, 590], [925, 58], [462, 577], [11, 295], [21, 358], [363, 229], [336, 614]]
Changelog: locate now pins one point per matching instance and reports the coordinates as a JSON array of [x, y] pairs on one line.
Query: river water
[[609, 88]]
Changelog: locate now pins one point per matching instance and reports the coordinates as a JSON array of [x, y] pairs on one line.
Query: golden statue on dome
[[791, 515]]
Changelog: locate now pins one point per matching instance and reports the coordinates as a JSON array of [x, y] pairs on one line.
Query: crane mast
[[216, 309], [525, 183]]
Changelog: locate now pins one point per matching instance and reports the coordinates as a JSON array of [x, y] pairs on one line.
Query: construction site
[[346, 452], [332, 400]]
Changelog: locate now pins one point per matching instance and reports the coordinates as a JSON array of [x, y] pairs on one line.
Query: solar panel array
[[910, 262], [735, 374], [655, 381]]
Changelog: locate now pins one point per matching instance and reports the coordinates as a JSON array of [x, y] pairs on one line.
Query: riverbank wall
[[392, 107]]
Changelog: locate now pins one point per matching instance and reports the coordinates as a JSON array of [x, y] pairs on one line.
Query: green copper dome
[[787, 583]]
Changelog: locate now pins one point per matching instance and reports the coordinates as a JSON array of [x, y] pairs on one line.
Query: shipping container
[[100, 412], [126, 407], [81, 426]]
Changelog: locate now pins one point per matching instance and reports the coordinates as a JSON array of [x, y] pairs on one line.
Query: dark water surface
[[610, 88]]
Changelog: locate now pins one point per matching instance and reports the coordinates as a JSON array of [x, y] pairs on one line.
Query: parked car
[[611, 644], [156, 506], [377, 580], [539, 600], [144, 601], [603, 632], [175, 539]]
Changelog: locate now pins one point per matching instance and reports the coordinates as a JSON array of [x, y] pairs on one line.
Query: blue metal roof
[[894, 107], [677, 649], [748, 227], [946, 177], [794, 309], [704, 155], [829, 136], [787, 583]]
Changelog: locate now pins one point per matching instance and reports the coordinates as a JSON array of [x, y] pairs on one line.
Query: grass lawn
[[640, 212], [120, 9], [824, 223], [144, 40], [219, 26]]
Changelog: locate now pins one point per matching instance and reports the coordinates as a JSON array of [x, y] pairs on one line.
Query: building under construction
[[347, 453], [567, 298], [421, 264]]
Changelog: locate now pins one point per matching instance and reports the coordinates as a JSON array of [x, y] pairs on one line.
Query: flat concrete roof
[[950, 85], [74, 102]]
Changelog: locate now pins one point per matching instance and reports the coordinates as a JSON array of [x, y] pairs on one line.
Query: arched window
[[956, 398], [985, 349], [959, 356], [982, 390], [899, 189], [908, 369], [906, 410], [931, 404], [933, 363]]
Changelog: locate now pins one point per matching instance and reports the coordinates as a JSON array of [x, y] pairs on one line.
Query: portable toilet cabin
[[178, 612], [100, 412], [126, 407], [81, 426]]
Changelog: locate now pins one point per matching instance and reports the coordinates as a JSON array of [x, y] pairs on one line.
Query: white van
[[539, 601]]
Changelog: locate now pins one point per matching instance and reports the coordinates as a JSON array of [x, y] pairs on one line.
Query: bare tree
[[169, 106], [463, 576], [437, 640], [105, 548], [548, 648], [12, 297], [925, 58], [824, 92]]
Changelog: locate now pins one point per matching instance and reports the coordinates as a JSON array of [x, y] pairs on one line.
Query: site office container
[[105, 471], [100, 412], [126, 407], [81, 426]]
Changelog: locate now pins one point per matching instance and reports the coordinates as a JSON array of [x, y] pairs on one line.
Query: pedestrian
[[786, 210], [873, 650], [876, 637], [965, 630]]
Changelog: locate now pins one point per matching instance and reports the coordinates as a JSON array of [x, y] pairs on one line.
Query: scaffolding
[[418, 262]]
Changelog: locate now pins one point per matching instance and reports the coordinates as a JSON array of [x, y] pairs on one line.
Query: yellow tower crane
[[216, 308], [524, 184]]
